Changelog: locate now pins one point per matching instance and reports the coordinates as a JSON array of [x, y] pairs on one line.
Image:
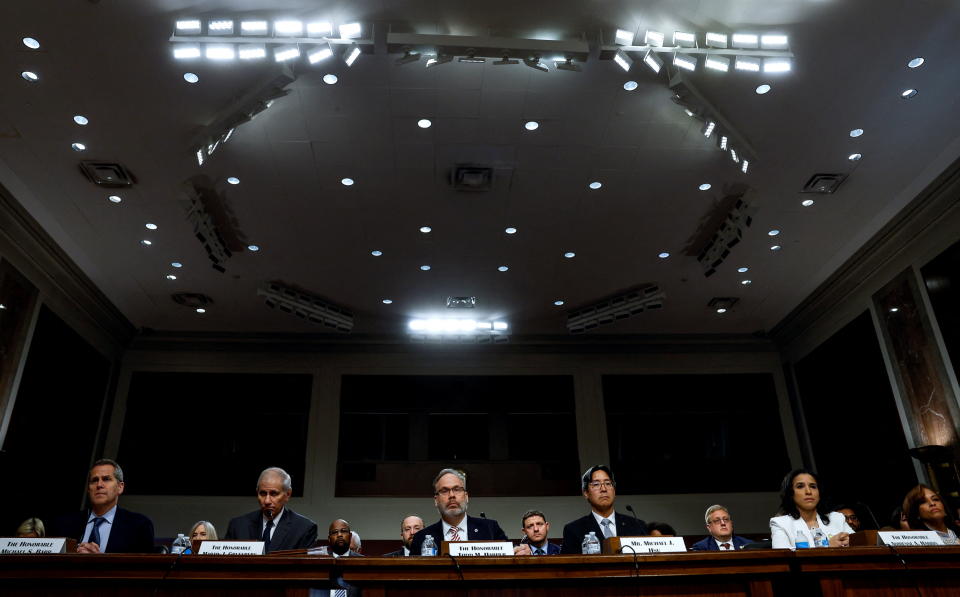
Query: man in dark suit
[[720, 526], [409, 527], [276, 525], [600, 490], [451, 499], [106, 527], [535, 528]]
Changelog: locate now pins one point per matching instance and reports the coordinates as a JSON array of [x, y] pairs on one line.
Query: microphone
[[631, 511], [870, 512], [483, 515]]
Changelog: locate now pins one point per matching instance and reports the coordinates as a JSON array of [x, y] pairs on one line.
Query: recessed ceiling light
[[746, 282], [31, 43], [569, 254], [915, 62], [908, 93], [150, 226], [253, 248], [855, 157], [558, 303], [233, 180], [330, 79], [376, 253], [630, 85], [81, 120], [425, 268], [502, 268], [424, 123], [78, 146], [894, 309], [346, 182], [510, 230], [425, 229], [856, 132], [201, 310], [387, 301], [190, 77], [705, 186], [773, 232], [146, 242], [806, 202], [114, 198], [775, 248], [743, 270], [29, 76], [763, 89], [595, 185], [176, 264], [663, 255], [171, 277], [531, 125]]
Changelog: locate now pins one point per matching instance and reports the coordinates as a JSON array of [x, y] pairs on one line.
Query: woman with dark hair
[[925, 511], [803, 519], [660, 529]]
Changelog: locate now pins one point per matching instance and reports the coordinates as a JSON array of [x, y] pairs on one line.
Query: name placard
[[631, 545], [15, 545], [480, 548], [231, 548], [908, 538]]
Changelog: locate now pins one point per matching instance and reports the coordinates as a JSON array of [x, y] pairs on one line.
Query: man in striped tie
[[451, 499]]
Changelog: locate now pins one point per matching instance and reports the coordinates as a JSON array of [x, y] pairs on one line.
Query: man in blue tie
[[106, 527], [536, 528]]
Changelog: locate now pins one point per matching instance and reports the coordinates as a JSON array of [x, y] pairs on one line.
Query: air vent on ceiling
[[107, 174], [466, 177], [824, 184], [193, 300]]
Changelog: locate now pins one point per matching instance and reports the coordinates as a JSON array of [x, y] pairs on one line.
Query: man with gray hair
[[451, 499], [720, 526], [276, 525]]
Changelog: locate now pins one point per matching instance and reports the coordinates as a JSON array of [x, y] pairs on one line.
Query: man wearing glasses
[[720, 526], [451, 499], [600, 490]]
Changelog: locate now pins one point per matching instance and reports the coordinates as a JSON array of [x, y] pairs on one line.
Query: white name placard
[[231, 548], [19, 545], [630, 545], [485, 548], [905, 538]]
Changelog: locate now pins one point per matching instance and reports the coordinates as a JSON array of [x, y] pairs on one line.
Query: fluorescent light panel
[[252, 51], [718, 63], [350, 30], [624, 61], [189, 27], [319, 53], [320, 29], [745, 40], [717, 40], [254, 27], [350, 55], [747, 64], [773, 41], [220, 52], [288, 28], [684, 39], [776, 65], [220, 27], [185, 52], [284, 53], [653, 38], [685, 62], [624, 37]]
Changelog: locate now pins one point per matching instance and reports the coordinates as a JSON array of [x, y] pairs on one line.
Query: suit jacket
[[477, 528], [709, 544], [552, 549], [573, 532], [293, 531], [131, 532]]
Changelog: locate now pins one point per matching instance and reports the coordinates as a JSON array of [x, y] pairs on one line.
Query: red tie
[[454, 533], [725, 545]]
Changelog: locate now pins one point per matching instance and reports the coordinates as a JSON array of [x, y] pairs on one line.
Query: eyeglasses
[[724, 520], [599, 484], [448, 490]]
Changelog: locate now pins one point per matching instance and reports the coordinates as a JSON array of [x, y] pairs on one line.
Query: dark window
[[512, 435], [852, 421], [942, 279], [694, 433], [53, 429], [212, 433]]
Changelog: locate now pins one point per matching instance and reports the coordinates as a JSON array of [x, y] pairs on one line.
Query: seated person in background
[[355, 544], [203, 530], [535, 528], [850, 515], [451, 499], [276, 525], [600, 490], [660, 529], [339, 536], [720, 527], [106, 527], [31, 528], [802, 513], [925, 511], [409, 527]]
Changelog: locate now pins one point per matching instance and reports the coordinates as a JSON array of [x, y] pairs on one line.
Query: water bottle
[[180, 544], [429, 547], [820, 538], [591, 545], [801, 541]]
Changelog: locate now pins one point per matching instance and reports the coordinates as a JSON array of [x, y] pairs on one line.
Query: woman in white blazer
[[802, 513]]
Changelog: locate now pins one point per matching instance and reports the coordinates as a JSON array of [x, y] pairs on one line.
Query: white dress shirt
[[104, 529], [613, 524]]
